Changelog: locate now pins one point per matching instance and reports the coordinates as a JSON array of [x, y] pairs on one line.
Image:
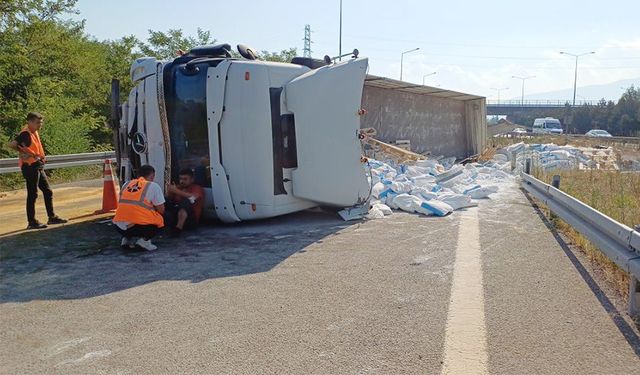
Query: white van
[[547, 125]]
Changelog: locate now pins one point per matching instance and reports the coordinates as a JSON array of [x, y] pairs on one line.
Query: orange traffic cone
[[109, 195]]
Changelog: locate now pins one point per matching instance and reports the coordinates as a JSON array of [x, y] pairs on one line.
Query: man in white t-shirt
[[139, 214]]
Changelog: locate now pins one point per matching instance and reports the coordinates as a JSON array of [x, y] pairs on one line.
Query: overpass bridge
[[518, 107]]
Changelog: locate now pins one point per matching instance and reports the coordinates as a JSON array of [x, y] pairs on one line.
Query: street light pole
[[498, 90], [427, 75], [523, 79], [575, 76], [340, 41], [402, 59]]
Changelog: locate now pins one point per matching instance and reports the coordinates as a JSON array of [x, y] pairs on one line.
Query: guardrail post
[[514, 155], [527, 166], [634, 296], [555, 182]]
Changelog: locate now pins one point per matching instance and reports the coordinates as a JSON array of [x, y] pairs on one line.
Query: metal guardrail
[[61, 161], [617, 241]]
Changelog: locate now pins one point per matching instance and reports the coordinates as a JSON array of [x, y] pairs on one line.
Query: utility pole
[[307, 41], [523, 79]]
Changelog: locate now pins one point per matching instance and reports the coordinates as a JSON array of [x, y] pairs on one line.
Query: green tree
[[16, 12], [283, 56], [37, 73], [625, 114], [165, 44]]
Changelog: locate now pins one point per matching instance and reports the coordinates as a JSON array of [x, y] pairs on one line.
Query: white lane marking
[[88, 356], [61, 347], [465, 348]]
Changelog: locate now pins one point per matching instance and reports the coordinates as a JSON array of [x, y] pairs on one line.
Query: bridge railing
[[539, 103]]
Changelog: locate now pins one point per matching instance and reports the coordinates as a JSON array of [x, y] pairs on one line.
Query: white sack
[[401, 187], [390, 200], [434, 207], [482, 192], [375, 213], [457, 201], [501, 158], [377, 189], [383, 208], [406, 202], [423, 193]]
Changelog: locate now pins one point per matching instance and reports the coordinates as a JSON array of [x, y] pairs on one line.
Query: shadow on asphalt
[[85, 260], [627, 331]]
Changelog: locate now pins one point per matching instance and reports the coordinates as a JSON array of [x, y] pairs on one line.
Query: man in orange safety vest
[[31, 161], [139, 214]]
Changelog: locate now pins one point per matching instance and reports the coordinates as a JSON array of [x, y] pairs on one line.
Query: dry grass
[[615, 194]]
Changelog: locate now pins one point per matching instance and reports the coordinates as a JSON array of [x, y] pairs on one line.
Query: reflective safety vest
[[135, 208], [35, 148]]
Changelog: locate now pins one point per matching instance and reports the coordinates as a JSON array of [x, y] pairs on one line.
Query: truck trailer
[[263, 138]]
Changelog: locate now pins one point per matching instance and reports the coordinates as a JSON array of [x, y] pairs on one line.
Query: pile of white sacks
[[551, 156], [431, 187], [438, 187]]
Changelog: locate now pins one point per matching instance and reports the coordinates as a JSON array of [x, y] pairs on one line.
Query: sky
[[473, 46]]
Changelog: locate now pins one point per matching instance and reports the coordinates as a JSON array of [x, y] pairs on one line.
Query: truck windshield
[[185, 97]]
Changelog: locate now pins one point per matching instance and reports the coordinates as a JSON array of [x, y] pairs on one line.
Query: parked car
[[547, 125], [519, 130], [597, 133]]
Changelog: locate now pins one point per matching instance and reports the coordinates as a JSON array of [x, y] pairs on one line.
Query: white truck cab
[[547, 125], [264, 139]]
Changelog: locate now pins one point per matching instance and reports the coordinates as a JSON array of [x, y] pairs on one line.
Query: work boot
[[129, 243], [56, 220], [36, 225], [146, 244]]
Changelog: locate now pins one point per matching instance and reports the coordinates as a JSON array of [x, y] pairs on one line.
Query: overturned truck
[[263, 138]]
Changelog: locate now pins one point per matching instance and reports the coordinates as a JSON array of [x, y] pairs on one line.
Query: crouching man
[[140, 209], [184, 203]]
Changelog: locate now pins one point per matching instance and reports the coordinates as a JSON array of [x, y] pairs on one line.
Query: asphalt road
[[489, 288]]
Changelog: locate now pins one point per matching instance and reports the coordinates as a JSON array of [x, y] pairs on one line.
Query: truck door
[[325, 104]]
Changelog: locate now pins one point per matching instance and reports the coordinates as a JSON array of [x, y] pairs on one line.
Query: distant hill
[[609, 91]]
